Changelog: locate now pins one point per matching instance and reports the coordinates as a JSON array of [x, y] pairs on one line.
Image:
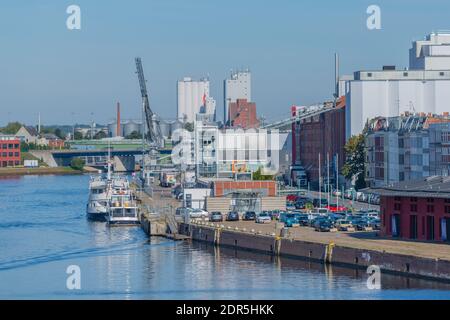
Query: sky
[[77, 76]]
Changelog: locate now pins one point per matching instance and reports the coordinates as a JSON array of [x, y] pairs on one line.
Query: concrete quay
[[355, 250]]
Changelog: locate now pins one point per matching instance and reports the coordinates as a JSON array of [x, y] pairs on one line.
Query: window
[[369, 74], [16, 154], [397, 198], [430, 200], [430, 208], [405, 74], [413, 199], [447, 209], [397, 206], [413, 208], [441, 74]]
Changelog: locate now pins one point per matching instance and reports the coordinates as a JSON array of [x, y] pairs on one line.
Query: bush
[[77, 164]]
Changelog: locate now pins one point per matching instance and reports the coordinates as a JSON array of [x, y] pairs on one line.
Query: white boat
[[99, 195], [122, 209]]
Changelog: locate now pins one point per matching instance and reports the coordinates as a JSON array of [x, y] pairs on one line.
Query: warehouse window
[[405, 74]]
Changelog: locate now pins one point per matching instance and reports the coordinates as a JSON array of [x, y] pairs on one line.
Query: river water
[[43, 230]]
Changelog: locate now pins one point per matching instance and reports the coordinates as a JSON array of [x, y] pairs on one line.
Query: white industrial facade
[[238, 86], [390, 92], [190, 95]]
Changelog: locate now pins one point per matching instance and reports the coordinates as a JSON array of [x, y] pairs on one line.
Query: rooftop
[[431, 187]]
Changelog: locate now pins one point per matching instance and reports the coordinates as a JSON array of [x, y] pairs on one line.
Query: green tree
[[257, 175], [77, 164], [60, 134], [134, 135], [78, 135], [354, 167], [100, 135], [11, 128]]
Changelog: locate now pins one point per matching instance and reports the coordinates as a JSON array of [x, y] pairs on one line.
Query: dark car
[[233, 216], [323, 225], [302, 219], [320, 203], [275, 214], [249, 215], [360, 224], [300, 204], [216, 216]]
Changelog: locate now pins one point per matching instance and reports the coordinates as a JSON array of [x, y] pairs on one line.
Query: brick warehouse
[[323, 133], [9, 151], [416, 210]]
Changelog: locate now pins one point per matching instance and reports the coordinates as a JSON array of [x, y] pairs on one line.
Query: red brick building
[[320, 134], [417, 210], [9, 151], [242, 114]]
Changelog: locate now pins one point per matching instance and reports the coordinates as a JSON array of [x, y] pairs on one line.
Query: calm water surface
[[43, 230]]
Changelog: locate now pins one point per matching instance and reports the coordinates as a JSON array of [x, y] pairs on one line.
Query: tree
[[77, 164], [100, 135], [354, 167], [60, 134], [257, 175], [78, 135], [11, 128], [134, 135]]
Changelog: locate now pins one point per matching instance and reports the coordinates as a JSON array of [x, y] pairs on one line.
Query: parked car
[[249, 215], [320, 203], [360, 224], [274, 214], [375, 224], [302, 218], [289, 219], [216, 216], [182, 211], [198, 213], [290, 206], [343, 224], [263, 217], [233, 216], [323, 225]]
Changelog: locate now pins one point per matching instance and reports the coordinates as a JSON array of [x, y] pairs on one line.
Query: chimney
[[118, 133]]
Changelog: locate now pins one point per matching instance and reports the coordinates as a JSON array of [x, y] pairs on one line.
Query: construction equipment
[[154, 135]]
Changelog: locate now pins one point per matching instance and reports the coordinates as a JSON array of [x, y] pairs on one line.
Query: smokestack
[[118, 133], [336, 75]]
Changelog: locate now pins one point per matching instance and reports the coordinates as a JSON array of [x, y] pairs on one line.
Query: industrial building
[[227, 153], [238, 86], [408, 147], [416, 210], [424, 87], [193, 97], [243, 114], [318, 142], [9, 151]]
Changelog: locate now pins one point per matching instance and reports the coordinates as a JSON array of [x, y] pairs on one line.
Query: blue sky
[[76, 76]]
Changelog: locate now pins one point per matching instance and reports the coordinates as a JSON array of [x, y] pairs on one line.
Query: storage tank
[[175, 125], [165, 128], [112, 128], [131, 126]]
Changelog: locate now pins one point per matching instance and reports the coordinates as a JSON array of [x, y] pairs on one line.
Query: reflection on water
[[43, 230]]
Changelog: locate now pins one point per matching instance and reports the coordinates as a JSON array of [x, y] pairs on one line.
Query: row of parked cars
[[216, 216]]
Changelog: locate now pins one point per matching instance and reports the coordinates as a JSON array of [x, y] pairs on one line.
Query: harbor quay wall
[[393, 263]]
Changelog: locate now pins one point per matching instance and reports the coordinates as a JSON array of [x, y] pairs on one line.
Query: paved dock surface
[[360, 240]]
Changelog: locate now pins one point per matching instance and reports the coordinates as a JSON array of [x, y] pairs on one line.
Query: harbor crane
[[154, 135]]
